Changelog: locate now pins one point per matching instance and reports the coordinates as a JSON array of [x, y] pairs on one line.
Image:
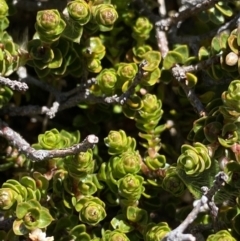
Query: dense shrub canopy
[[119, 120]]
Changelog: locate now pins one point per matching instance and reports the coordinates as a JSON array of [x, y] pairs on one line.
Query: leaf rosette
[[8, 198], [127, 162], [221, 235], [105, 15], [172, 183], [3, 9], [157, 231], [115, 235], [131, 186], [106, 80], [231, 101], [194, 159], [126, 71], [118, 142], [94, 49], [139, 51], [149, 115], [231, 97], [137, 215], [79, 11], [49, 25], [88, 185], [53, 139], [30, 215], [156, 162], [91, 210], [229, 134], [142, 29], [80, 164]]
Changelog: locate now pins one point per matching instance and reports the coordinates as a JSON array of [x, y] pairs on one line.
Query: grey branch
[[197, 67], [78, 97], [206, 199], [51, 112], [166, 23], [180, 75], [13, 84], [24, 147]]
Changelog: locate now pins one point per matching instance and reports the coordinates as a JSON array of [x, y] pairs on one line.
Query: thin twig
[[45, 86], [166, 23], [84, 96], [13, 84], [179, 73], [39, 155], [199, 66], [207, 197], [51, 112], [161, 36]]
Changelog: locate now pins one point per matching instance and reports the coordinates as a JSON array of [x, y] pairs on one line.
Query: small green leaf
[[28, 182], [19, 228], [153, 59], [137, 215], [171, 59], [81, 228], [120, 223], [73, 31], [183, 51], [151, 77], [232, 43], [238, 36], [45, 219], [192, 79], [203, 53], [223, 40], [224, 9], [22, 209], [215, 44], [216, 16], [195, 183], [57, 60], [42, 72]]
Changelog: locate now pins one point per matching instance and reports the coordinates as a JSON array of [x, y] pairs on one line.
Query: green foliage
[[107, 80], [118, 142], [91, 210], [79, 11], [30, 215], [5, 95], [223, 234], [80, 164], [231, 108], [53, 139], [157, 231], [142, 29], [130, 187], [114, 235], [217, 14], [194, 160], [111, 76], [105, 16], [49, 25]]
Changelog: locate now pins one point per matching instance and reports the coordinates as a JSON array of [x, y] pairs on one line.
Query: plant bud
[[231, 59]]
